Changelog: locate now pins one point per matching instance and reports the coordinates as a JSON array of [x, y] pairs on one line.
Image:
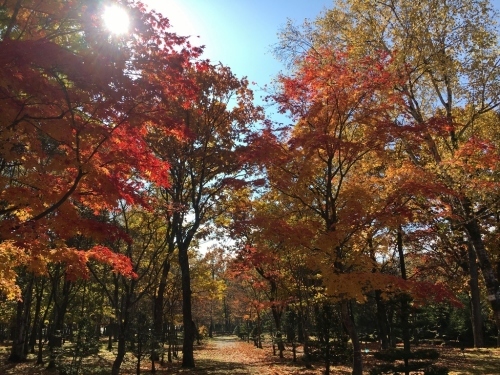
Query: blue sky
[[238, 33]]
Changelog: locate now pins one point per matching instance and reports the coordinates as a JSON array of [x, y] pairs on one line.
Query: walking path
[[228, 355]]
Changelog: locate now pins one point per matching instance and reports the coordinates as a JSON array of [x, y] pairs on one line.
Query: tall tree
[[445, 53], [75, 106], [211, 288], [204, 167], [143, 244], [342, 104], [75, 110]]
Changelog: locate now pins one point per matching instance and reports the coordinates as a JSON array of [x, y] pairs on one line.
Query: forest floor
[[227, 355]]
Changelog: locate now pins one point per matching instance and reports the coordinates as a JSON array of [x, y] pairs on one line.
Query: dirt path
[[227, 355], [223, 355]]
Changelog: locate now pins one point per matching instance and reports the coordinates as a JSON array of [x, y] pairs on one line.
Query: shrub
[[202, 332]]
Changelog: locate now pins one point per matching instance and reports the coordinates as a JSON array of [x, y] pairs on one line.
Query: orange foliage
[[76, 107]]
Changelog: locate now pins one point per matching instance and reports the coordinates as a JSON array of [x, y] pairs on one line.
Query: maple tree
[[76, 105], [450, 83], [122, 153], [260, 269], [74, 115], [143, 244], [342, 105], [334, 168], [204, 167], [210, 287]]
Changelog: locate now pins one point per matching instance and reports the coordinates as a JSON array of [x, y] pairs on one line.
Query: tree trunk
[[18, 351], [277, 313], [405, 304], [158, 301], [122, 327], [490, 279], [307, 354], [187, 318], [36, 320], [357, 361], [300, 328], [327, 352], [381, 321], [39, 356], [326, 316], [139, 357], [475, 303], [160, 297], [115, 370], [39, 359], [60, 309], [405, 313], [257, 339], [170, 342]]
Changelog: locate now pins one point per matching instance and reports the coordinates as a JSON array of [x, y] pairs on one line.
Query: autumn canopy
[[76, 107]]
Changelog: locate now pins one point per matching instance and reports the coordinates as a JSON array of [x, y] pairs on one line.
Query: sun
[[116, 19]]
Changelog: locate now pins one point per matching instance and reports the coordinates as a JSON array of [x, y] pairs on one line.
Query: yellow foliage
[[11, 257]]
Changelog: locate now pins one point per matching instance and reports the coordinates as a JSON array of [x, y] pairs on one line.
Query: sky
[[239, 33]]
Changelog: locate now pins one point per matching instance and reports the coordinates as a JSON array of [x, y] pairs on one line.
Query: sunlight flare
[[116, 19]]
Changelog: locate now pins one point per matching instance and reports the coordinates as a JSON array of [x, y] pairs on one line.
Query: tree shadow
[[214, 367]]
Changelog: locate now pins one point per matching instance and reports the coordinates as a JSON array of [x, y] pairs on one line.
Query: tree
[[446, 56], [204, 167], [260, 269], [210, 286], [75, 107], [74, 115], [143, 244], [342, 104]]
